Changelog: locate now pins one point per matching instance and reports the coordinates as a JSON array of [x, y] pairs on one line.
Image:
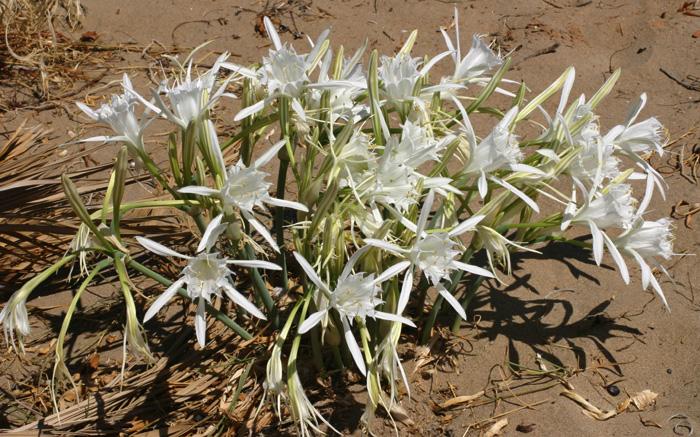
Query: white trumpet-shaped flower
[[355, 296], [645, 241], [13, 317], [120, 115], [479, 60], [205, 275], [595, 162], [399, 74], [434, 253], [191, 99], [306, 417], [416, 146], [283, 72], [500, 151], [637, 138], [246, 188]]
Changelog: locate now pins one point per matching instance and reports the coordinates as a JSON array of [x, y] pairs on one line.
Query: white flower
[[479, 60], [433, 253], [354, 296], [283, 72], [499, 150], [416, 146], [614, 207], [645, 241], [648, 239], [205, 275], [637, 138], [399, 74], [245, 188], [354, 159], [190, 100], [13, 317], [120, 115], [595, 162], [305, 415]]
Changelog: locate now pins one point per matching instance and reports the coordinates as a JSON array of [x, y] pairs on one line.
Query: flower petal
[[158, 248], [310, 272], [466, 225], [454, 303], [254, 264], [211, 233], [200, 323], [163, 299], [286, 204], [200, 191], [392, 318], [406, 288], [241, 301], [391, 271], [262, 230], [354, 348], [311, 321], [472, 269]]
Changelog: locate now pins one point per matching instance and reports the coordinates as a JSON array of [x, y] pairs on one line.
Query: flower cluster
[[397, 191]]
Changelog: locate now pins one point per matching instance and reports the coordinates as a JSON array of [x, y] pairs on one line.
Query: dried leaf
[[644, 399], [496, 428], [459, 400]]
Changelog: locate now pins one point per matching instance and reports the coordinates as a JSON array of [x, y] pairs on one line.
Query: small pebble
[[669, 371], [613, 390]]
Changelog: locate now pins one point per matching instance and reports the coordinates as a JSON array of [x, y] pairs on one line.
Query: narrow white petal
[[597, 236], [482, 185], [425, 212], [87, 110], [454, 303], [262, 230], [354, 347], [249, 110], [466, 225], [406, 288], [269, 154], [310, 272], [472, 269], [311, 321], [431, 63], [619, 260], [158, 248], [211, 233], [298, 109], [200, 191], [389, 247], [241, 301], [286, 204], [163, 299], [392, 271], [200, 323], [393, 318], [272, 33], [524, 197], [254, 264]]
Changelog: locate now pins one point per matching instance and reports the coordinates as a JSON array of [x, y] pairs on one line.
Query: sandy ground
[[559, 304]]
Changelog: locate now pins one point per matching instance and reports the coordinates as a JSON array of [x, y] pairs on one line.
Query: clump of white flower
[[397, 193]]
